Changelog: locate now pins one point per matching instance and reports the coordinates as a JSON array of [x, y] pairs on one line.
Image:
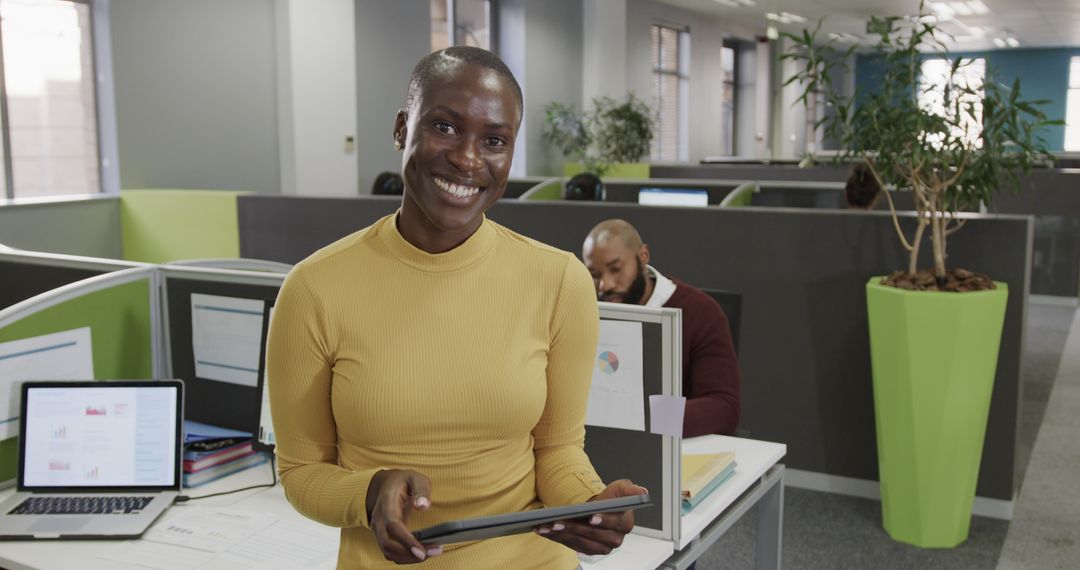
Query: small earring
[[397, 144]]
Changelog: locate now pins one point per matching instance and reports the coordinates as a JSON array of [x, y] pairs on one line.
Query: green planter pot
[[934, 356]]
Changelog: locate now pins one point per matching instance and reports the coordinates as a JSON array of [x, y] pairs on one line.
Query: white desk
[[83, 554], [757, 481]]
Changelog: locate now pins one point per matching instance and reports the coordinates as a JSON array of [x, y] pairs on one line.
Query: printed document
[[58, 356], [225, 337], [617, 395]]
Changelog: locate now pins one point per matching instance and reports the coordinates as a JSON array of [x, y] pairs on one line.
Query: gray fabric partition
[[1051, 195], [804, 350]]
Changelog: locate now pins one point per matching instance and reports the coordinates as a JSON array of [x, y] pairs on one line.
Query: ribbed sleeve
[[299, 378], [564, 474]]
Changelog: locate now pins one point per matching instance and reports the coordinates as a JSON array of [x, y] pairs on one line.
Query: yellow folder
[[698, 470]]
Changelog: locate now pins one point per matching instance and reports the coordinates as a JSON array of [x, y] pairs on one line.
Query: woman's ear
[[644, 254], [400, 129]]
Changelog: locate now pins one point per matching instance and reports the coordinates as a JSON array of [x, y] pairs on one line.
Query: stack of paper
[[703, 473]]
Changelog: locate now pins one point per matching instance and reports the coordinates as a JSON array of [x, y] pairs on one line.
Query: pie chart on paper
[[608, 362]]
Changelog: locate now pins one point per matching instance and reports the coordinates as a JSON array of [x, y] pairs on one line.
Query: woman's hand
[[601, 533], [392, 495]]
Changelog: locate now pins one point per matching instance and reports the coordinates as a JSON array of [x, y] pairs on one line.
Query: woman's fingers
[[399, 493]]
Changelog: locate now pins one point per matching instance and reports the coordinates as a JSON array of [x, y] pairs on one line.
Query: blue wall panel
[[1043, 74]]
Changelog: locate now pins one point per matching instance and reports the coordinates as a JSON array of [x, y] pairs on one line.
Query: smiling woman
[[435, 365]]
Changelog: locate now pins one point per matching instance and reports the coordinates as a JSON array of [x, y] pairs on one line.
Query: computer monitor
[[673, 197]]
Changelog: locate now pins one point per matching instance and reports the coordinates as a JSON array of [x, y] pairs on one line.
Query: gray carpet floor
[[824, 530]]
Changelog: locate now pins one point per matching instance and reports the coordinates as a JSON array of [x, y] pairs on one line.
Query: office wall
[[1043, 74], [86, 227], [390, 38], [707, 34], [195, 94], [604, 23], [552, 40], [316, 67]]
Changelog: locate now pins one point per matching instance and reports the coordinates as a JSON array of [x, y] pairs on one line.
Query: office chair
[[584, 186], [731, 303]]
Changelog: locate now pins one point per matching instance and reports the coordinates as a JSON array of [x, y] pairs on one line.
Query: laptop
[[96, 459]]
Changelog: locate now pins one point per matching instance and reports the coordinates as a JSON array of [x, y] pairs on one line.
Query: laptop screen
[[101, 435], [673, 197]]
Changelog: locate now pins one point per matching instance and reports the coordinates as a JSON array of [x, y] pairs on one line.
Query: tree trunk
[[913, 261], [938, 237]]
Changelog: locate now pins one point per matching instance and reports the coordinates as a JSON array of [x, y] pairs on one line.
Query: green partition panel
[[551, 190], [120, 337], [165, 225], [636, 170]]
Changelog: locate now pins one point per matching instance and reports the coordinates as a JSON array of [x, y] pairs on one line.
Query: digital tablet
[[525, 521]]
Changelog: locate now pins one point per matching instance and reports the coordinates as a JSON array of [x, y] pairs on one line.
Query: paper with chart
[[296, 543], [225, 337], [209, 530], [206, 538], [617, 395], [64, 355]]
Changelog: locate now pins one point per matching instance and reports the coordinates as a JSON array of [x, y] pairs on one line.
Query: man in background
[[619, 262]]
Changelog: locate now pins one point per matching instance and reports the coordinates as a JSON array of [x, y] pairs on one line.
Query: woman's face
[[458, 143]]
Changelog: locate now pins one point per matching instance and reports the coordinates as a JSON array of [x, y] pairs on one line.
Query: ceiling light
[[978, 7], [1012, 42], [747, 3], [961, 8], [999, 42], [731, 3], [792, 17], [943, 10], [772, 33], [772, 16]]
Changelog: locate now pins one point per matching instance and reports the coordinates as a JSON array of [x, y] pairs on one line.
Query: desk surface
[[754, 458]]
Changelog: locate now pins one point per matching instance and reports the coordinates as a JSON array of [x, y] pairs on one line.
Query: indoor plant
[[604, 140], [933, 351]]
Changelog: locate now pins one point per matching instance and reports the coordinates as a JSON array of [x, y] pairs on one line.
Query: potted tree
[[610, 139], [934, 333]]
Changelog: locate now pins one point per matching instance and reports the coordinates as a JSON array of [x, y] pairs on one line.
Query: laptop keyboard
[[81, 505]]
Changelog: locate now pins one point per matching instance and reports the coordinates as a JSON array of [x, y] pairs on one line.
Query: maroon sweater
[[710, 367]]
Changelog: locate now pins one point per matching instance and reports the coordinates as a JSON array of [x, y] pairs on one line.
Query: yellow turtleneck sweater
[[470, 366]]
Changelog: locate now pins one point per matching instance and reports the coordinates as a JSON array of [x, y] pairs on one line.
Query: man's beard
[[633, 294]]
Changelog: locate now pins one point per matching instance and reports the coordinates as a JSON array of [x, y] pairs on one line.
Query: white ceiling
[[1034, 23]]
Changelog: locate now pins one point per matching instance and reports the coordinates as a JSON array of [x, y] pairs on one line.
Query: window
[[440, 25], [727, 100], [671, 93], [49, 106], [472, 23], [1072, 107], [935, 77]]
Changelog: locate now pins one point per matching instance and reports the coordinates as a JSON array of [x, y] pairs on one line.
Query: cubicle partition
[[804, 348], [204, 309], [105, 327], [623, 190], [1049, 194], [730, 171], [655, 458], [28, 273]]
